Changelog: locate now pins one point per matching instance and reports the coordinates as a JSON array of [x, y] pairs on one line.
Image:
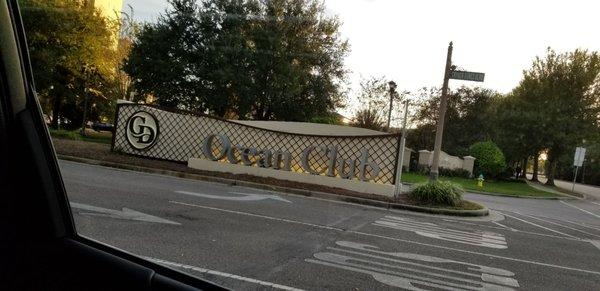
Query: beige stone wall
[[406, 161], [352, 185]]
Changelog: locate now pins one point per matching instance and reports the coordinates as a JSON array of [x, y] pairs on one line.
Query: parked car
[[103, 126]]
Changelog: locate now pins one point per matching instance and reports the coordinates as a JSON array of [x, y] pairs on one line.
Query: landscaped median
[[100, 154], [507, 188]]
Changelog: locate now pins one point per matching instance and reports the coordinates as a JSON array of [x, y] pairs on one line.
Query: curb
[[564, 197], [296, 191]]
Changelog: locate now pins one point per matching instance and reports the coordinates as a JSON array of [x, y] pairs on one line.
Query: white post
[[398, 182]]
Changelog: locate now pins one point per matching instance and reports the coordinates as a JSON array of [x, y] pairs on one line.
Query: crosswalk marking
[[432, 230], [413, 271]]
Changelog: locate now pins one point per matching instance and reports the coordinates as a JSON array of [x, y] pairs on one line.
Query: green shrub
[[437, 193], [489, 159], [454, 173]]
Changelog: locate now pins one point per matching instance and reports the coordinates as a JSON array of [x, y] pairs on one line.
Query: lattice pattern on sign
[[181, 136]]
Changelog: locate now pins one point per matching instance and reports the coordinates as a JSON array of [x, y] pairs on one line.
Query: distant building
[[342, 119]]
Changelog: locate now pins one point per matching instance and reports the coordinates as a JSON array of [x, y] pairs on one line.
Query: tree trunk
[[534, 177], [550, 171], [55, 111], [523, 173]]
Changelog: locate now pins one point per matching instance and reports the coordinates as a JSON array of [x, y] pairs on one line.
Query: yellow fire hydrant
[[480, 180]]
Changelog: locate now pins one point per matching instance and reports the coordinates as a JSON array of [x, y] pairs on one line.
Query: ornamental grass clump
[[438, 193]]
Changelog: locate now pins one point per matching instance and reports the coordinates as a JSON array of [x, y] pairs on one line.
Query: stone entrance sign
[[180, 136]]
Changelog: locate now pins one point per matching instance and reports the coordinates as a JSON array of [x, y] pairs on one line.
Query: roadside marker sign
[[579, 157], [577, 162]]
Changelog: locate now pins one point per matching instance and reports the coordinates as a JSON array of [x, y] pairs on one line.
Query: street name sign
[[467, 76]]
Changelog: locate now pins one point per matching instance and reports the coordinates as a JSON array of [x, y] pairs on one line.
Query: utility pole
[[433, 175], [392, 91], [398, 183]]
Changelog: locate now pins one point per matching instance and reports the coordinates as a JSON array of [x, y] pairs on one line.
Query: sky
[[406, 41]]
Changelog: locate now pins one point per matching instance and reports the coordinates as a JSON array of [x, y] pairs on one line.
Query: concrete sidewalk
[[589, 191]]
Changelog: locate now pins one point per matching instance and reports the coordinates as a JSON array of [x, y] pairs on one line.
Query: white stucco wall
[[447, 161]]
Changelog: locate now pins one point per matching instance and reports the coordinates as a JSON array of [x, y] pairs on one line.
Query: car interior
[[39, 247]]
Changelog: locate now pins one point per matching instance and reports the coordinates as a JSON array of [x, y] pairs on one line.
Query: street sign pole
[[398, 183], [574, 178], [393, 86], [450, 73], [433, 173], [577, 162]]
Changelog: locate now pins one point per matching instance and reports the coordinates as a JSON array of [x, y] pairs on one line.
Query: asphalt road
[[249, 239]]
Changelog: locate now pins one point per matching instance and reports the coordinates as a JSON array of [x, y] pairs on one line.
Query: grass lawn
[[502, 187], [91, 135]]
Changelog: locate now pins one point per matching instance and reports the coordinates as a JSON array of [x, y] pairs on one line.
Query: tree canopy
[[467, 119], [70, 47], [560, 97], [280, 59]]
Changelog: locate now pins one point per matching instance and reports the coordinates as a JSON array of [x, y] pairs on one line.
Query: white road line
[[502, 225], [590, 213], [223, 274], [404, 262], [580, 224], [595, 203], [401, 269], [561, 225], [393, 238], [477, 224], [595, 243], [411, 226], [409, 222], [259, 215], [566, 220], [540, 226], [432, 230], [400, 277]]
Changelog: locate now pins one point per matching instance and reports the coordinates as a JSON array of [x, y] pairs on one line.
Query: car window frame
[[30, 111]]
